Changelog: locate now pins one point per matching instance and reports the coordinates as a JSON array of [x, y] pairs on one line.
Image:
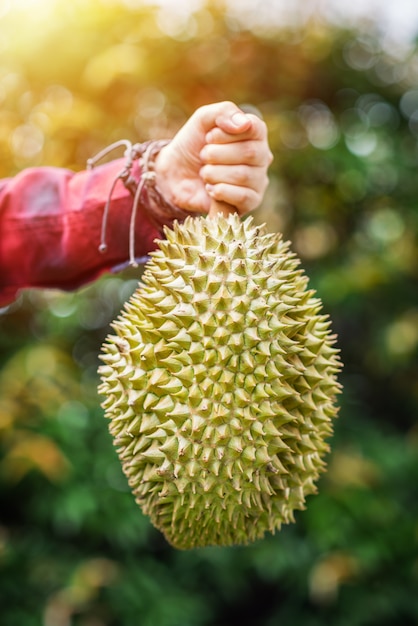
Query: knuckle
[[265, 183], [260, 127], [242, 175], [251, 154], [244, 197], [258, 153]]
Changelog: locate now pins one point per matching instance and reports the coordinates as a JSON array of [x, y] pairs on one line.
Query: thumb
[[238, 122], [225, 115]]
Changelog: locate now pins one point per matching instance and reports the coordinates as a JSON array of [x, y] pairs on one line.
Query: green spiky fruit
[[220, 384]]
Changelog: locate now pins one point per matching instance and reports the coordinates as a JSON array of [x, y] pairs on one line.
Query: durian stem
[[222, 208]]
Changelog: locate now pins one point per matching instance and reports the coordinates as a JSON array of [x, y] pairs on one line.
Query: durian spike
[[220, 208]]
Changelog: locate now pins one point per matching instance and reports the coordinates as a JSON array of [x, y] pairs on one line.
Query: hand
[[220, 152]]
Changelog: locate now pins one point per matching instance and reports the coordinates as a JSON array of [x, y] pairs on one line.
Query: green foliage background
[[343, 119]]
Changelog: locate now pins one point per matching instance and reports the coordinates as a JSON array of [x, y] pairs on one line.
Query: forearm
[[51, 225], [51, 220]]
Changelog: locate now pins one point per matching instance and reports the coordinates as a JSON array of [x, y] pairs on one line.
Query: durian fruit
[[220, 384]]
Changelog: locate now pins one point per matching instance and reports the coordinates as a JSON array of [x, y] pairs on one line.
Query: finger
[[244, 199], [243, 152], [243, 184], [243, 175]]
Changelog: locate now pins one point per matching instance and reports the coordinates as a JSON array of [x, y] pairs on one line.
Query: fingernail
[[209, 189], [239, 119]]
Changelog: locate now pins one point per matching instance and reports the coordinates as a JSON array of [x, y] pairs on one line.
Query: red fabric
[[50, 225]]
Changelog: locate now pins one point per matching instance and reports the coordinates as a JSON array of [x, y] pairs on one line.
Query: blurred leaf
[[34, 452]]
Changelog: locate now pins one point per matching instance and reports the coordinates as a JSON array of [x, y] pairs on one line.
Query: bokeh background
[[340, 97]]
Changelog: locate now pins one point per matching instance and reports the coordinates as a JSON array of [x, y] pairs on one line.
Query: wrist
[[164, 179], [140, 177], [155, 180]]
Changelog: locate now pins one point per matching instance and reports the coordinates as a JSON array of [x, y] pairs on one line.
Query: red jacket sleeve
[[50, 227]]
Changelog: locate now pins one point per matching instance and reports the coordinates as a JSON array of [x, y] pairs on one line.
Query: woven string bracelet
[[159, 209]]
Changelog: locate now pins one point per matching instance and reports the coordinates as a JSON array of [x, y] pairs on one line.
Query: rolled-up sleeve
[[50, 227]]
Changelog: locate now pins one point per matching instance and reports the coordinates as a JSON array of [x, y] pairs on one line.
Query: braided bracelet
[[158, 208]]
